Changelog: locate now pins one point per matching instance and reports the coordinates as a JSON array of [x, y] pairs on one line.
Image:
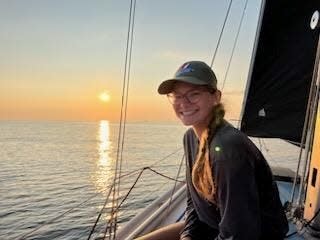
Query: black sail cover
[[282, 71]]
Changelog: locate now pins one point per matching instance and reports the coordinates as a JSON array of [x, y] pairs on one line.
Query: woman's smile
[[197, 113], [188, 113]]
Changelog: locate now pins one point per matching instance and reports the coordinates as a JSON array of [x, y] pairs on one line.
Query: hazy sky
[[58, 56]]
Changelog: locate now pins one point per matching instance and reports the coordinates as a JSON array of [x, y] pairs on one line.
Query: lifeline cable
[[114, 211], [164, 175], [263, 145], [100, 213], [131, 188], [135, 182], [24, 235], [174, 187], [164, 158], [126, 175], [68, 211]]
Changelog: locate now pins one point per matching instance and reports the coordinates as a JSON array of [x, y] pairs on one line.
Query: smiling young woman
[[230, 189]]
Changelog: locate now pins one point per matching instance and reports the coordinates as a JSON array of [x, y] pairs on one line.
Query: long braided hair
[[202, 174]]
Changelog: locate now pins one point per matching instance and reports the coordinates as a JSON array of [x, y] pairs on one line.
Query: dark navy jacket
[[248, 206]]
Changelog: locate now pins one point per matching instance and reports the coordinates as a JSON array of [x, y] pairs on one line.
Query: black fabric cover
[[282, 71]]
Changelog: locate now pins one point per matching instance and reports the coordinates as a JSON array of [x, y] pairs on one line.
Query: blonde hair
[[202, 173]]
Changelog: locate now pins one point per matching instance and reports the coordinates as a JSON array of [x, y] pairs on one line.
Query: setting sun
[[104, 97]]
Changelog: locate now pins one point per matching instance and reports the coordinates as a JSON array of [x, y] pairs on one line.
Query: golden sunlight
[[104, 146], [103, 174], [104, 97]]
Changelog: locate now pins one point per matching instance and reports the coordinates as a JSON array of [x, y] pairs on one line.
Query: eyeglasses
[[192, 96]]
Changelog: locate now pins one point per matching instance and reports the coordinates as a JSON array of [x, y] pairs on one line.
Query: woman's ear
[[217, 96]]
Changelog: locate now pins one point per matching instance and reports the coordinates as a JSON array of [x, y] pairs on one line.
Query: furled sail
[[281, 71]]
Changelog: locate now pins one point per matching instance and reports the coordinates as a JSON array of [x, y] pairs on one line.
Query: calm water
[[48, 168]]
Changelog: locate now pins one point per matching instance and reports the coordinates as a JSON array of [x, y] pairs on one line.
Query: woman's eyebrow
[[191, 90]]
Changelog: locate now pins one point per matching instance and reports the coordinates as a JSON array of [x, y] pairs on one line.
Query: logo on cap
[[185, 68]]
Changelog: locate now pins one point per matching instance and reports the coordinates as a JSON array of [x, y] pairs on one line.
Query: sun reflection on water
[[104, 143], [103, 172]]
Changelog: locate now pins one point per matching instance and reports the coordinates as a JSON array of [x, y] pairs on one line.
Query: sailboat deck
[[285, 193], [145, 222]]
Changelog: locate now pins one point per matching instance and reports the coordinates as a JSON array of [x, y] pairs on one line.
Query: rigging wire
[[174, 188], [160, 188], [167, 156], [100, 213], [121, 134], [220, 36], [124, 100], [138, 177], [130, 190], [165, 176], [125, 115], [114, 211], [154, 164], [234, 45], [127, 175], [23, 236], [312, 123], [105, 203], [265, 150], [307, 224], [307, 124]]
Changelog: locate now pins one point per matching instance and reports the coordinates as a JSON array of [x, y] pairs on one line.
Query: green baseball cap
[[194, 72]]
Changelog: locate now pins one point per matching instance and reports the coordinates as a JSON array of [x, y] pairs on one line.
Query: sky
[[58, 56]]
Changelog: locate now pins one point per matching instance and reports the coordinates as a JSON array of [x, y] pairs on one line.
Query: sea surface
[[55, 176]]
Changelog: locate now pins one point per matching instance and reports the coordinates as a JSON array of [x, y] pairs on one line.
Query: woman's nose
[[184, 102]]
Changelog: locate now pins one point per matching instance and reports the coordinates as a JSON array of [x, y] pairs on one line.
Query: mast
[[312, 202]]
